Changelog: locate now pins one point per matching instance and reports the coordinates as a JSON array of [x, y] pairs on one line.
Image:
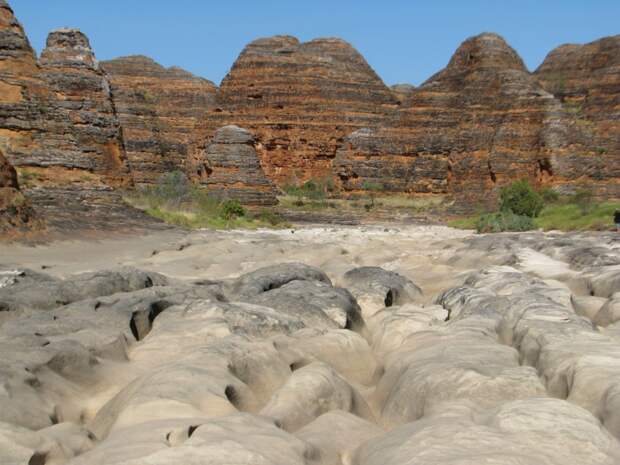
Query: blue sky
[[404, 41]]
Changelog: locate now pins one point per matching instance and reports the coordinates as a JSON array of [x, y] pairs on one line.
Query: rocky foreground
[[420, 345]]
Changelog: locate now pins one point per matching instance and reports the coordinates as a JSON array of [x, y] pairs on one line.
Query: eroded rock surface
[[510, 357], [299, 99], [163, 113], [234, 170], [586, 79], [16, 212]]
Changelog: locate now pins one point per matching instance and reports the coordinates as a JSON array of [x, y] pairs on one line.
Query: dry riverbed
[[315, 345]]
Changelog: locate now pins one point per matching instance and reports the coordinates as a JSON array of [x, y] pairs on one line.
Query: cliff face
[[485, 112], [234, 170], [21, 91], [472, 127], [81, 130], [586, 81], [300, 100], [15, 210], [75, 130], [163, 113]]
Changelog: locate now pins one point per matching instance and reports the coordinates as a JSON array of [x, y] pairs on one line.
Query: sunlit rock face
[[234, 169], [163, 114], [78, 129], [82, 129], [471, 128], [586, 80], [16, 213], [300, 100]]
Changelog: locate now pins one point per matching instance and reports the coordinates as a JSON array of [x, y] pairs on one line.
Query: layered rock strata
[[474, 126], [58, 125], [586, 80], [316, 109], [299, 100], [82, 131], [22, 93], [163, 113], [234, 169], [15, 210]]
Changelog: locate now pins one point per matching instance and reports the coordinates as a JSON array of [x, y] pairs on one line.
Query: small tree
[[583, 198], [521, 199], [231, 209], [173, 188], [372, 188]]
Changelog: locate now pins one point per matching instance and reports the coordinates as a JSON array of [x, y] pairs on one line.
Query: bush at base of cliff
[[231, 209], [504, 221], [521, 199], [176, 201]]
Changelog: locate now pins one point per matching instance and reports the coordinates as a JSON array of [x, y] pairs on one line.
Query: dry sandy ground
[[415, 251]]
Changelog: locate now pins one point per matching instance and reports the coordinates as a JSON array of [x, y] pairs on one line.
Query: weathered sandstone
[[15, 210], [299, 100], [402, 91], [234, 170], [586, 80], [81, 128], [163, 113], [472, 127], [492, 363]]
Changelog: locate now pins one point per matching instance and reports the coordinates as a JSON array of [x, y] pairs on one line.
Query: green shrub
[[520, 199], [584, 200], [172, 188], [231, 209], [503, 221], [270, 217], [372, 188], [549, 195]]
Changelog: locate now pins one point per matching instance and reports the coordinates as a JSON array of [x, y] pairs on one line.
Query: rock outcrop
[[392, 160], [402, 91], [20, 89], [299, 100], [82, 131], [586, 80], [469, 129], [75, 131], [58, 126], [15, 210], [163, 113], [234, 169], [277, 366]]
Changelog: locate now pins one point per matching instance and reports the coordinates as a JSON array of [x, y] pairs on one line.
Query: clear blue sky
[[404, 41]]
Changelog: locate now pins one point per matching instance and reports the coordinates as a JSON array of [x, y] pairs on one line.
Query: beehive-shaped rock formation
[[235, 171], [300, 100], [163, 112]]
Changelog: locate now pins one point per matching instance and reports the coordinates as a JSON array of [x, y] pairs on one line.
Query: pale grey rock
[[310, 392], [576, 362], [610, 312], [32, 290], [317, 304], [271, 277], [336, 434], [523, 432], [231, 439], [347, 352], [587, 306], [376, 288]]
